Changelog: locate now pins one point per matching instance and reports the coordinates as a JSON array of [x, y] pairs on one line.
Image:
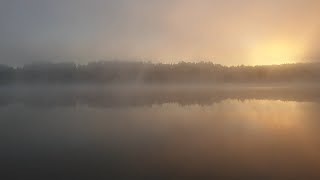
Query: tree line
[[146, 72]]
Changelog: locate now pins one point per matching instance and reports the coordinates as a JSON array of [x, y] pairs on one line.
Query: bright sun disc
[[275, 53]]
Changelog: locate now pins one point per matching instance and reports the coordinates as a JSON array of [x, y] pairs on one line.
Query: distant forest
[[145, 72]]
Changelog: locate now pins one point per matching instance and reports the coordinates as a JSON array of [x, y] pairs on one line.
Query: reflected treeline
[[148, 96], [132, 72]]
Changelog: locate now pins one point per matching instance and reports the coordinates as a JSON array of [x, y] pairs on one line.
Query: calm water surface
[[169, 133]]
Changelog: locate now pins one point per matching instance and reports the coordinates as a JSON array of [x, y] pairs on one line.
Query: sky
[[228, 32]]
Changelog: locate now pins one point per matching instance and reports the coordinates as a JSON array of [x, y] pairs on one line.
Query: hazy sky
[[229, 32]]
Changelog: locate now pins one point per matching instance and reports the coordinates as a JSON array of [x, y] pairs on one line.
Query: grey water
[[92, 132]]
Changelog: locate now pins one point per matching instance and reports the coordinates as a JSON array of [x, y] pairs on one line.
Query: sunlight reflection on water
[[225, 138]]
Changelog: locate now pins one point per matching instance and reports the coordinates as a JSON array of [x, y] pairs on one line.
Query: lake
[[174, 132]]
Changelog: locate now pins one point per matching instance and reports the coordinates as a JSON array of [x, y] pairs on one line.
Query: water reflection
[[58, 96], [172, 135]]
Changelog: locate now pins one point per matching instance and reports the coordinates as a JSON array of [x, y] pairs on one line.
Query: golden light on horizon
[[276, 52]]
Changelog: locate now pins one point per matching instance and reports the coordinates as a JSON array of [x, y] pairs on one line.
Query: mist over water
[[167, 132], [160, 89]]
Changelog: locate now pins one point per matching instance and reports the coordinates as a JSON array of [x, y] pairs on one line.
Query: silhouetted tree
[[142, 72]]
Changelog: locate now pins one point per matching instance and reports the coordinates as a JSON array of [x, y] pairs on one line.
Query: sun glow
[[276, 53]]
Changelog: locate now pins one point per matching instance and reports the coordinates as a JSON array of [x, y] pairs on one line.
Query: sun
[[276, 52]]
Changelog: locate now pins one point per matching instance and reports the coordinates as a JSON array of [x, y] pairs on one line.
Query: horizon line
[[154, 63]]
